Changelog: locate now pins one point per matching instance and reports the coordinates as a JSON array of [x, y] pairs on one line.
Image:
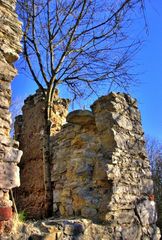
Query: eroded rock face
[[10, 35]]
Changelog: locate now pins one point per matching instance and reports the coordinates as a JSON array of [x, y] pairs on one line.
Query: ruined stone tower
[[99, 168], [101, 177], [29, 130]]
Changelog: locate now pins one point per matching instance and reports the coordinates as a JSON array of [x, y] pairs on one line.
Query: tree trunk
[[47, 164]]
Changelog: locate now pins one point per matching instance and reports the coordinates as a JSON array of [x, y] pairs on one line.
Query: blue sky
[[149, 91]]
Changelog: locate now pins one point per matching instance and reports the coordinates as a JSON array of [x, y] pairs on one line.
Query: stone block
[[147, 212], [9, 175], [12, 155], [1, 194], [89, 212], [81, 117], [7, 72], [5, 213], [56, 196]]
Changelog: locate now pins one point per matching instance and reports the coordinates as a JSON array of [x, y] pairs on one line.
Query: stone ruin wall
[[30, 196], [99, 168], [10, 35]]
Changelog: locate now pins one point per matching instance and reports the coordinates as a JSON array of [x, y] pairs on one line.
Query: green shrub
[[22, 216]]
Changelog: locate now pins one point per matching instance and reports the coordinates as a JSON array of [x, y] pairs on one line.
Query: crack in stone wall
[[10, 36]]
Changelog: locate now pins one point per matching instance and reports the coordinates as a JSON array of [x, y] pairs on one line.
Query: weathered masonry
[[100, 173], [29, 129], [10, 35], [99, 167]]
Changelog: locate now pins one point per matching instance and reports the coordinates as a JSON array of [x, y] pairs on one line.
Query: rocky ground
[[59, 229], [78, 229]]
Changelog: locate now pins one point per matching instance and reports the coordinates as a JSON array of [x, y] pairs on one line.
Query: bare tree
[[154, 149], [84, 44]]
